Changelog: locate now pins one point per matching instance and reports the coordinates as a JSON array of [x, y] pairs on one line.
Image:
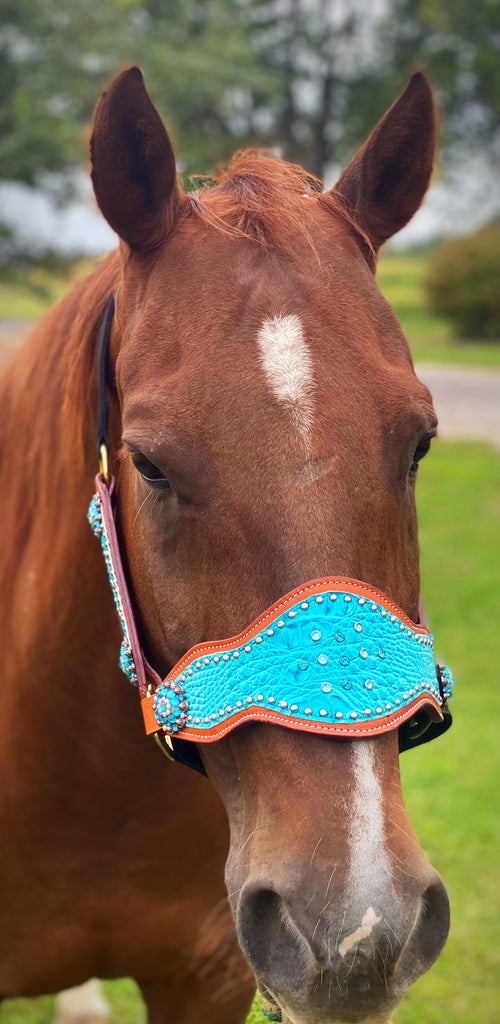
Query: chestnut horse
[[266, 426]]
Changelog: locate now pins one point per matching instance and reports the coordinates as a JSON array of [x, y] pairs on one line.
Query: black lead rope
[[102, 398]]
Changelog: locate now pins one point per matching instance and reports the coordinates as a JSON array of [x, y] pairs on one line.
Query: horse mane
[[261, 197]]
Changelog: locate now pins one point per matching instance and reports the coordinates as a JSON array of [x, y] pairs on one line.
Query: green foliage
[[463, 283]]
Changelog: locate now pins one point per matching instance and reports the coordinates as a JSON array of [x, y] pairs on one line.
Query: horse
[[265, 428]]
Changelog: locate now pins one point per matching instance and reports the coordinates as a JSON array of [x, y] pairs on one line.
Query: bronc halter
[[334, 657]]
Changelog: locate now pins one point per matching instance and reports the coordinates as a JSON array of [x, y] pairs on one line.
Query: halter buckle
[[104, 462]]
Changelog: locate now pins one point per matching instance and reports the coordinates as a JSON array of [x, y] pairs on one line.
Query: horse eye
[[421, 450], [150, 473]]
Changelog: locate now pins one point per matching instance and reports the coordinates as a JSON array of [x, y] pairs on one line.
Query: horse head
[[267, 426]]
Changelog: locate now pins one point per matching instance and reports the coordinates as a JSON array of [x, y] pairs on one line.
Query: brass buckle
[[104, 462]]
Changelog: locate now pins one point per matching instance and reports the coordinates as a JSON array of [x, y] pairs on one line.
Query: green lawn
[[451, 785]]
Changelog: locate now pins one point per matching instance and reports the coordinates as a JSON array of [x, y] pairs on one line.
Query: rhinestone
[[358, 627], [363, 653], [304, 606], [369, 684], [316, 634], [206, 661], [323, 659], [333, 597], [354, 714], [216, 659], [292, 614], [239, 704], [249, 700], [388, 707], [258, 639], [339, 637], [198, 664], [379, 711], [367, 711], [347, 598], [308, 711], [302, 664], [236, 654], [229, 709], [344, 660], [361, 601], [225, 657], [381, 653], [260, 696], [271, 700], [346, 684], [294, 707], [281, 623], [326, 687], [270, 632], [338, 714], [319, 599], [323, 713], [283, 704]]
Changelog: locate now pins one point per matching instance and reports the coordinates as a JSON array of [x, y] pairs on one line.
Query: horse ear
[[385, 183], [133, 164]]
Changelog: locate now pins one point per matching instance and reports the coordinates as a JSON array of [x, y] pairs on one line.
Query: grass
[[451, 784], [400, 278]]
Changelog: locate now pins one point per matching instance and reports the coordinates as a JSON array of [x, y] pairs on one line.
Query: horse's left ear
[[385, 183], [133, 164]]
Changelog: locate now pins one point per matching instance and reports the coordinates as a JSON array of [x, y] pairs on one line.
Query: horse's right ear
[[133, 164]]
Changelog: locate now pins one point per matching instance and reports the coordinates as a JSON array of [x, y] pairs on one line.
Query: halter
[[335, 656]]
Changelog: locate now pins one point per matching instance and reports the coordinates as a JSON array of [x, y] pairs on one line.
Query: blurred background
[[309, 79]]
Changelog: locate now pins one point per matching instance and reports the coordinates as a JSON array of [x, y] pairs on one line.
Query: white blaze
[[287, 363]]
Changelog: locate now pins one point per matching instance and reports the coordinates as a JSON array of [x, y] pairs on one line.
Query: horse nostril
[[271, 942], [428, 935]]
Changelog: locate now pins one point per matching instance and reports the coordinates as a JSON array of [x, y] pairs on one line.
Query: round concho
[[170, 706]]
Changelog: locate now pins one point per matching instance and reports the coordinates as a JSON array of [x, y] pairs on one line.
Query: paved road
[[467, 401]]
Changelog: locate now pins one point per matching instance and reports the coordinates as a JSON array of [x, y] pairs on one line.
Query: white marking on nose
[[287, 363], [365, 929], [369, 869]]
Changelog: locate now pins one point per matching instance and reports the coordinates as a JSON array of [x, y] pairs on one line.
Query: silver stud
[[383, 613], [316, 634], [236, 654], [323, 712], [190, 718], [183, 679], [294, 707], [405, 696], [308, 711], [213, 717], [367, 711], [270, 632], [354, 714], [333, 597], [206, 661], [222, 712], [258, 639], [319, 599], [260, 696], [402, 628], [283, 704], [292, 614], [361, 601], [225, 657], [338, 714], [249, 700], [397, 701], [206, 720], [229, 709], [271, 700], [347, 598], [358, 627], [239, 704], [304, 606], [412, 693], [323, 659], [388, 707], [369, 684], [198, 664], [379, 711], [409, 632], [281, 623], [393, 618], [197, 721], [326, 687], [248, 649], [190, 672]]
